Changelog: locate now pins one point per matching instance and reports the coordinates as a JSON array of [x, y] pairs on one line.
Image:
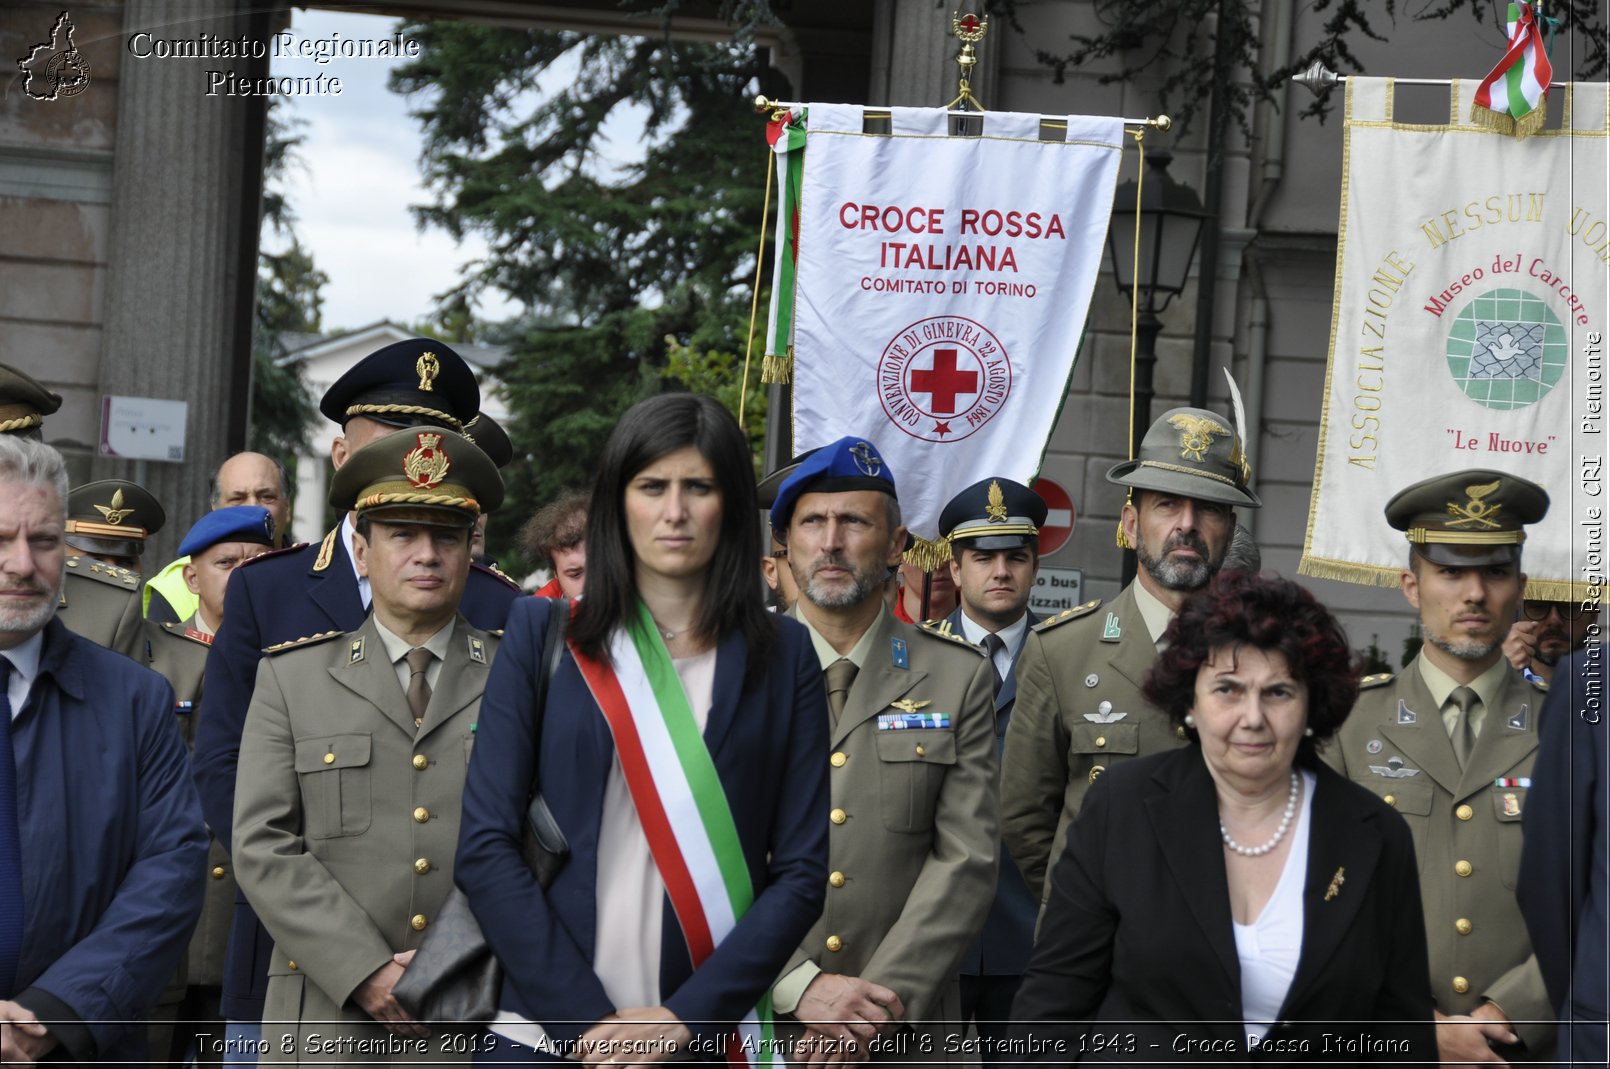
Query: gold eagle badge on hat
[[115, 513], [1476, 510], [427, 463], [1196, 434], [428, 367]]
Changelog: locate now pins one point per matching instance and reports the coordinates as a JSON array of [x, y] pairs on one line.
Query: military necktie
[[1464, 732], [995, 644], [840, 678], [418, 659], [10, 846]]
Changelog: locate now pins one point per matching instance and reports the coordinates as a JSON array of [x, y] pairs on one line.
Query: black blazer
[[1136, 957]]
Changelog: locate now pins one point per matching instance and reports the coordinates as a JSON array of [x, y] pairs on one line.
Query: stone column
[[920, 66], [187, 181]]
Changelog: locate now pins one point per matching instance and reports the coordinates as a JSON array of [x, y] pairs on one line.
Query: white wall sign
[[143, 428], [1056, 589]]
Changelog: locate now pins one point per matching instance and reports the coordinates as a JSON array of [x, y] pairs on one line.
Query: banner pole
[[754, 300]]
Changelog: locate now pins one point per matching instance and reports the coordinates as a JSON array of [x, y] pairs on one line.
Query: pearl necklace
[[1280, 832]]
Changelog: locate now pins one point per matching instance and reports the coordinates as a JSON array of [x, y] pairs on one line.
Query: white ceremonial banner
[[1472, 273], [941, 289]]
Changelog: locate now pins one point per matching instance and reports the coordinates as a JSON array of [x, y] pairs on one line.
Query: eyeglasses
[[1568, 610], [780, 554]]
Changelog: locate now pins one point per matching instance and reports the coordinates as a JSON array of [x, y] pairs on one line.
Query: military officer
[[912, 831], [993, 528], [316, 588], [108, 522], [24, 403], [353, 758], [1079, 706], [214, 545], [1450, 742]]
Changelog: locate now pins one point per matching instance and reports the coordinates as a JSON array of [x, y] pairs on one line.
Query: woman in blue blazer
[[631, 955]]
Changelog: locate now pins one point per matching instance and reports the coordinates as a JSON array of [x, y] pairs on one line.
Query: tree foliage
[[289, 302], [618, 252]]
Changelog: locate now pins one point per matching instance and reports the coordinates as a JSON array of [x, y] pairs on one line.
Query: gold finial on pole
[[969, 29]]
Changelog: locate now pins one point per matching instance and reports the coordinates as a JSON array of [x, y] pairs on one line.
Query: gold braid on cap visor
[[1420, 535], [405, 410], [445, 496]]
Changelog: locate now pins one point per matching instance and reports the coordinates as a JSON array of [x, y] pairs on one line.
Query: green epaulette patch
[[1380, 679], [297, 643], [111, 574], [1068, 614]]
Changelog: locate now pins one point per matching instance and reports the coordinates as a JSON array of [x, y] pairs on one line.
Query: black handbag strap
[[553, 648]]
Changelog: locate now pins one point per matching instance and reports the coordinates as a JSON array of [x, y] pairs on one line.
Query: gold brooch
[[906, 705], [1335, 887]]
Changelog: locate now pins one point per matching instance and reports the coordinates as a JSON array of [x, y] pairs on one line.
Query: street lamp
[[1171, 217]]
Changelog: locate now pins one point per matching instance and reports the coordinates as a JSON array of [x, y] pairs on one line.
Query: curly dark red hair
[[1270, 614]]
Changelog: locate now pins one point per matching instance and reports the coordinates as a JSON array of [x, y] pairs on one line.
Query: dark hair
[[559, 524], [1270, 614], [648, 431]]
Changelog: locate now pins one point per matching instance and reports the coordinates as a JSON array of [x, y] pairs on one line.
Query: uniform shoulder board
[[492, 570], [1068, 614], [496, 632], [111, 574], [1380, 679], [271, 553], [298, 643], [941, 629]]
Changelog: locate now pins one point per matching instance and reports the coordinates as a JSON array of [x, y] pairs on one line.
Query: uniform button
[[218, 872], [836, 879], [1460, 985], [421, 815], [1179, 731], [921, 750], [421, 762], [835, 944], [422, 865], [329, 758], [838, 816], [1391, 799], [418, 922], [1464, 812], [838, 759], [1462, 926], [1101, 740], [290, 965], [1096, 770], [1462, 868]]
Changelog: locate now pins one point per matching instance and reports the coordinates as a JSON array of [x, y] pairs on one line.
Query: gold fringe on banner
[[778, 369], [928, 555], [1347, 572], [1565, 590], [1505, 123]]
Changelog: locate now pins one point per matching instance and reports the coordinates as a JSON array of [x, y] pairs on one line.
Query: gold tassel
[[1531, 122], [1123, 539], [777, 369], [928, 555], [1504, 123]]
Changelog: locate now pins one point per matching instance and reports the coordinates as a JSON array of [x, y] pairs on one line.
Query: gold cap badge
[[1196, 434], [116, 513], [428, 367], [1476, 511], [427, 463], [996, 509]]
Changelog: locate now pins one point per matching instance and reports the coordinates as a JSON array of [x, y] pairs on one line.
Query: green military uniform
[[912, 843], [101, 602], [1402, 742], [348, 798], [1079, 710], [1079, 706]]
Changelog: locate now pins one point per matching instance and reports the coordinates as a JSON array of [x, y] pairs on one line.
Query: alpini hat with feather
[[1193, 453], [1468, 518]]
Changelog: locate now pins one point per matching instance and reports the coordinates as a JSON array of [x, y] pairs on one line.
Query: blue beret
[[838, 467], [408, 383], [237, 523]]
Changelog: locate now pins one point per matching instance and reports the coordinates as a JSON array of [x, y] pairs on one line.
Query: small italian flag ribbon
[[786, 135], [1510, 99], [681, 805]]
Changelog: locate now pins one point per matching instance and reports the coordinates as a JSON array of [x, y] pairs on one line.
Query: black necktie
[[994, 644], [10, 846]]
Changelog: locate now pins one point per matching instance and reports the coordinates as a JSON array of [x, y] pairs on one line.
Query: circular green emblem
[[1506, 349]]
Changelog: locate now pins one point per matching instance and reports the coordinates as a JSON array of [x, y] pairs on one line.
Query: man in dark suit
[[101, 840], [993, 528], [1564, 888], [311, 589]]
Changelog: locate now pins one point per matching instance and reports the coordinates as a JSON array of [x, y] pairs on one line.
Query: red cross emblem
[[944, 377], [944, 382]]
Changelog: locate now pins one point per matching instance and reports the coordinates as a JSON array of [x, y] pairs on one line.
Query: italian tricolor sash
[[681, 804]]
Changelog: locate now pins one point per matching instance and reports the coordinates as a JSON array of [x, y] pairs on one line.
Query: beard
[[1466, 649], [862, 583], [25, 621], [1179, 574]]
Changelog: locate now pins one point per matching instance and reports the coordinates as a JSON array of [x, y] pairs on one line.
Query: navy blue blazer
[[1136, 959], [281, 597], [770, 747], [1002, 948], [1564, 888], [113, 847]]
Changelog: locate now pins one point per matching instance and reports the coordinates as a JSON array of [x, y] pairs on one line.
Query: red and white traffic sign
[[1058, 518]]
